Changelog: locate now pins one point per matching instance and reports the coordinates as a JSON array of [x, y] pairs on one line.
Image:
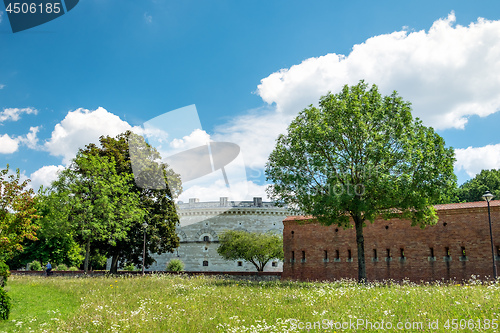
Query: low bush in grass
[[35, 266], [175, 265], [61, 267], [73, 269]]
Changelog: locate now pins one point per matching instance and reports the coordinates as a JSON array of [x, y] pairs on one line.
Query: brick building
[[457, 247]]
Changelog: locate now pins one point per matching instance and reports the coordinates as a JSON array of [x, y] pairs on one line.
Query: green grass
[[201, 304]]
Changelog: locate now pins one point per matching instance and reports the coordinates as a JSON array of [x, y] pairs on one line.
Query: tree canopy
[[473, 189], [17, 213], [358, 156], [257, 248]]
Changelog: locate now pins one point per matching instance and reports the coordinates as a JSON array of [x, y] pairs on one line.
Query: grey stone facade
[[202, 222]]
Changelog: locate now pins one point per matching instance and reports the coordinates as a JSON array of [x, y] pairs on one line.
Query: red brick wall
[[457, 228]]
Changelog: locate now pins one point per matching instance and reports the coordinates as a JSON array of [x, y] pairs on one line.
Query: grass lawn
[[204, 304]]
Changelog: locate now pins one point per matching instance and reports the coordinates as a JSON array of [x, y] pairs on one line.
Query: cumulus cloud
[[8, 145], [448, 73], [2, 85], [45, 176], [81, 127], [197, 138], [255, 133], [148, 18], [14, 114], [474, 159], [30, 139]]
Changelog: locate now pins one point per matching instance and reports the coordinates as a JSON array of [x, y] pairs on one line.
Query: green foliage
[[158, 204], [17, 213], [473, 189], [102, 204], [175, 265], [61, 267], [35, 266], [129, 267], [4, 273], [257, 248], [73, 269], [5, 305], [358, 156]]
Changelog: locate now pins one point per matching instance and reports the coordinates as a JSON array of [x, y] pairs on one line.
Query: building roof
[[462, 205]]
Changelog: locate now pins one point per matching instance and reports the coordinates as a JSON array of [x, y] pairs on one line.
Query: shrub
[[35, 266], [61, 267], [175, 265], [129, 267], [4, 273], [73, 269], [5, 304]]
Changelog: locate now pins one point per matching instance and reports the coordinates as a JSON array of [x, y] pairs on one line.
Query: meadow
[[171, 303]]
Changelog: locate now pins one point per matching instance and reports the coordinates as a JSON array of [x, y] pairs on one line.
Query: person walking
[[49, 269]]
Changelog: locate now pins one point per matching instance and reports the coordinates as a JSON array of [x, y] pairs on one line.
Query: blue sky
[[110, 65]]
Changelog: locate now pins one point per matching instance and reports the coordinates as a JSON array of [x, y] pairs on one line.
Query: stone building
[[457, 247], [202, 222]]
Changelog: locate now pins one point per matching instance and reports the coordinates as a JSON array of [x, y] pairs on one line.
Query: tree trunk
[[360, 242], [114, 264], [87, 257]]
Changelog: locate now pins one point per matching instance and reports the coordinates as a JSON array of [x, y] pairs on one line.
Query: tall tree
[[157, 201], [102, 204], [359, 156], [257, 248], [17, 213], [473, 189]]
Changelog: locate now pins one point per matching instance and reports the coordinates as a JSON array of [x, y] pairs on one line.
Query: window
[[206, 238], [498, 251], [325, 257], [402, 254], [349, 256], [447, 255], [432, 257], [463, 256], [274, 264], [303, 256], [375, 255], [337, 254], [240, 263], [388, 255], [205, 262], [292, 260]]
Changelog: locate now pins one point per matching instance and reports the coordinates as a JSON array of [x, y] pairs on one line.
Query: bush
[[129, 267], [61, 267], [73, 269], [175, 265], [35, 266], [4, 273], [5, 305]]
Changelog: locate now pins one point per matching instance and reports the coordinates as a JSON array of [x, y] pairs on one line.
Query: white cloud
[[31, 138], [81, 127], [244, 190], [2, 85], [148, 18], [45, 176], [474, 159], [197, 138], [255, 133], [8, 145], [448, 73], [14, 114], [1, 16]]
